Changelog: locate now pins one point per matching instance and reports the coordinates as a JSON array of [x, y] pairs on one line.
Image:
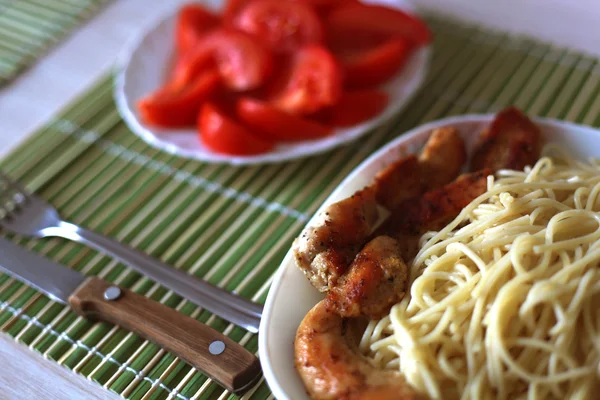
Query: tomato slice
[[223, 134], [375, 66], [312, 81], [358, 106], [175, 106], [193, 22], [231, 10], [354, 22], [323, 7], [278, 125], [243, 62], [189, 65], [328, 3], [283, 25]]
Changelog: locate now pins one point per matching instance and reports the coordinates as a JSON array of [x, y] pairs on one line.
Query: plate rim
[[263, 341]]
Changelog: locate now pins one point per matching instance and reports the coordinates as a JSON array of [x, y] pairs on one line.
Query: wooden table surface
[[24, 374]]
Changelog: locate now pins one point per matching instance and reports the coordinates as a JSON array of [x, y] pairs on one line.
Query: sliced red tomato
[[323, 7], [328, 3], [354, 22], [284, 25], [357, 106], [276, 124], [243, 62], [375, 66], [189, 65], [193, 22], [222, 134], [312, 81], [231, 10], [177, 106]]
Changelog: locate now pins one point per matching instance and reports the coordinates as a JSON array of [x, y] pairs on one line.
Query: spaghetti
[[504, 302]]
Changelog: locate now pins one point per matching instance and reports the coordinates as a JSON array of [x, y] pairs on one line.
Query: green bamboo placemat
[[28, 28], [229, 225]]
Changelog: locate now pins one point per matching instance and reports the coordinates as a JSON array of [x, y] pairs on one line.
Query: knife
[[222, 359]]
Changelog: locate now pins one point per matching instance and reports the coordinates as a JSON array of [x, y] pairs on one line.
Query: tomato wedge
[[283, 25], [278, 125], [358, 106], [193, 22], [328, 3], [375, 66], [223, 134], [243, 62], [232, 8], [177, 106], [312, 81], [324, 7], [354, 21]]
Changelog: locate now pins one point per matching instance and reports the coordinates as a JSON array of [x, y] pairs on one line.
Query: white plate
[[291, 295], [146, 60]]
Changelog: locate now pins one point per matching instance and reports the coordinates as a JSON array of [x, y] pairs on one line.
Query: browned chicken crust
[[325, 250], [401, 180], [437, 207], [442, 158], [511, 142], [376, 279], [331, 366], [374, 282], [440, 161], [432, 211]]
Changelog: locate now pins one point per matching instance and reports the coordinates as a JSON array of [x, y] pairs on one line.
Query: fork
[[26, 214]]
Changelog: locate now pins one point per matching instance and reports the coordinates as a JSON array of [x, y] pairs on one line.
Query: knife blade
[[206, 349]]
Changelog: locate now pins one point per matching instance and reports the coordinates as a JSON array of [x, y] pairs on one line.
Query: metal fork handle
[[220, 302]]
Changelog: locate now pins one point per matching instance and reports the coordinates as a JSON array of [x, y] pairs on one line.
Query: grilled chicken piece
[[401, 180], [432, 211], [442, 158], [325, 250], [376, 279], [440, 162], [438, 206], [511, 142], [374, 282], [327, 359]]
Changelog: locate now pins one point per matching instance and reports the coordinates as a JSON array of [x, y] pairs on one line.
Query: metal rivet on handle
[[112, 293], [217, 347]]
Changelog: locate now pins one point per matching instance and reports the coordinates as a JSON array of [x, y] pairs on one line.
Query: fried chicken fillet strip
[[376, 279], [331, 367], [440, 162], [511, 142], [442, 159], [325, 250], [432, 211]]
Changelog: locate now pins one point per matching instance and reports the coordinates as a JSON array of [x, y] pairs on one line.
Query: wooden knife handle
[[235, 368]]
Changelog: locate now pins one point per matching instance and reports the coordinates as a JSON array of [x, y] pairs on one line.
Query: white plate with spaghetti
[[146, 61], [292, 296]]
